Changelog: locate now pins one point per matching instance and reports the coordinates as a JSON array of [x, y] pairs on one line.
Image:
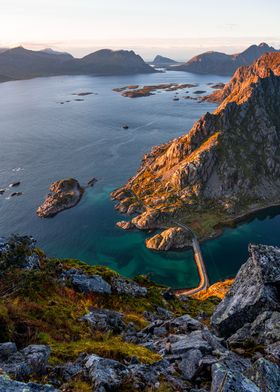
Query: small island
[[64, 194], [146, 91]]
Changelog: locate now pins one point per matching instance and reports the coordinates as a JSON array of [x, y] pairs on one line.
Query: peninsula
[[226, 167]]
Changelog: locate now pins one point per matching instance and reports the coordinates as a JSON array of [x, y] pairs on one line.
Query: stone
[[36, 356], [273, 352], [264, 330], [125, 225], [8, 385], [6, 350], [225, 380], [86, 283], [128, 287], [105, 320], [64, 194], [253, 292], [190, 364], [266, 375], [105, 374], [175, 237]]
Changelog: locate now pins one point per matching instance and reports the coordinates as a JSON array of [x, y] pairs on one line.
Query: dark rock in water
[[8, 385], [92, 181], [105, 374], [13, 184], [87, 283], [16, 194], [128, 287], [2, 191], [83, 94], [199, 92], [105, 320], [255, 290], [218, 86], [176, 99], [266, 375], [125, 126], [125, 225], [65, 194]]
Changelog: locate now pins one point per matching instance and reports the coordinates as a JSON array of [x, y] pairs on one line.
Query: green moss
[[110, 347]]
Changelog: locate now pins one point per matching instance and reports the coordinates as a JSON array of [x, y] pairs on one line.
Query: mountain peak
[[227, 165]]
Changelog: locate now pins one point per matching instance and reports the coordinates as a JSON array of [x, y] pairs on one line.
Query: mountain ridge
[[21, 63], [226, 166], [223, 64]]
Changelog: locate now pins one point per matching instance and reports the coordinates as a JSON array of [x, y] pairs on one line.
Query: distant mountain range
[[223, 64], [160, 61], [21, 63]]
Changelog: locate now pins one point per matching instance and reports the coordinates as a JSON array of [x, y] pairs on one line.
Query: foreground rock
[[65, 194], [8, 385], [208, 178], [254, 291], [86, 283], [175, 237]]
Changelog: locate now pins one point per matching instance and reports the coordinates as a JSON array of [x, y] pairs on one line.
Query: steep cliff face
[[228, 164], [247, 75]]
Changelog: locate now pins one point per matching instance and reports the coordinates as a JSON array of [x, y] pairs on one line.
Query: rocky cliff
[[227, 166], [223, 64], [67, 326]]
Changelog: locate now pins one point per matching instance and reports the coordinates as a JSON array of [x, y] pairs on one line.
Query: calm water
[[50, 141]]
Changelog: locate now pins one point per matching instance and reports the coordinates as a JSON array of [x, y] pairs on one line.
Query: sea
[[48, 133]]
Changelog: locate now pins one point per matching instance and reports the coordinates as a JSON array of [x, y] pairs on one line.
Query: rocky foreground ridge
[[67, 326], [227, 166]]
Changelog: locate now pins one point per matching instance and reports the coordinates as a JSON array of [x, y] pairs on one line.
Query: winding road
[[204, 281]]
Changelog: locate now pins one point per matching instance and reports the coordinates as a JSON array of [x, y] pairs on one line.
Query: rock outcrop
[[223, 64], [226, 167], [254, 291], [65, 194], [175, 237]]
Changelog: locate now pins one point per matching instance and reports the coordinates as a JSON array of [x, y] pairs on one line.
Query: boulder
[[105, 320], [254, 291], [175, 237], [86, 283], [8, 385], [64, 194], [128, 287], [266, 375], [264, 330], [125, 225], [7, 350], [36, 356], [105, 374], [225, 380]]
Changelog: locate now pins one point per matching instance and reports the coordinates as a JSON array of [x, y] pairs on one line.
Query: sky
[[175, 28]]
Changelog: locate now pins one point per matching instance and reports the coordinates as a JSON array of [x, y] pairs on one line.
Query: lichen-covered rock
[[253, 292], [8, 385], [64, 194], [19, 251], [21, 364], [265, 374], [264, 330], [105, 374], [86, 283], [225, 380], [105, 320], [175, 237], [128, 287]]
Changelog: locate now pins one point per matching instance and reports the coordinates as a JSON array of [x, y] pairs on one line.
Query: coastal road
[[204, 281]]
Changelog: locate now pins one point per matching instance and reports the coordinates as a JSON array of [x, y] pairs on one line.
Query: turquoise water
[[43, 141]]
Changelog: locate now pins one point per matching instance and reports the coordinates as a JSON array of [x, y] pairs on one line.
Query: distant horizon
[[178, 29], [180, 52]]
